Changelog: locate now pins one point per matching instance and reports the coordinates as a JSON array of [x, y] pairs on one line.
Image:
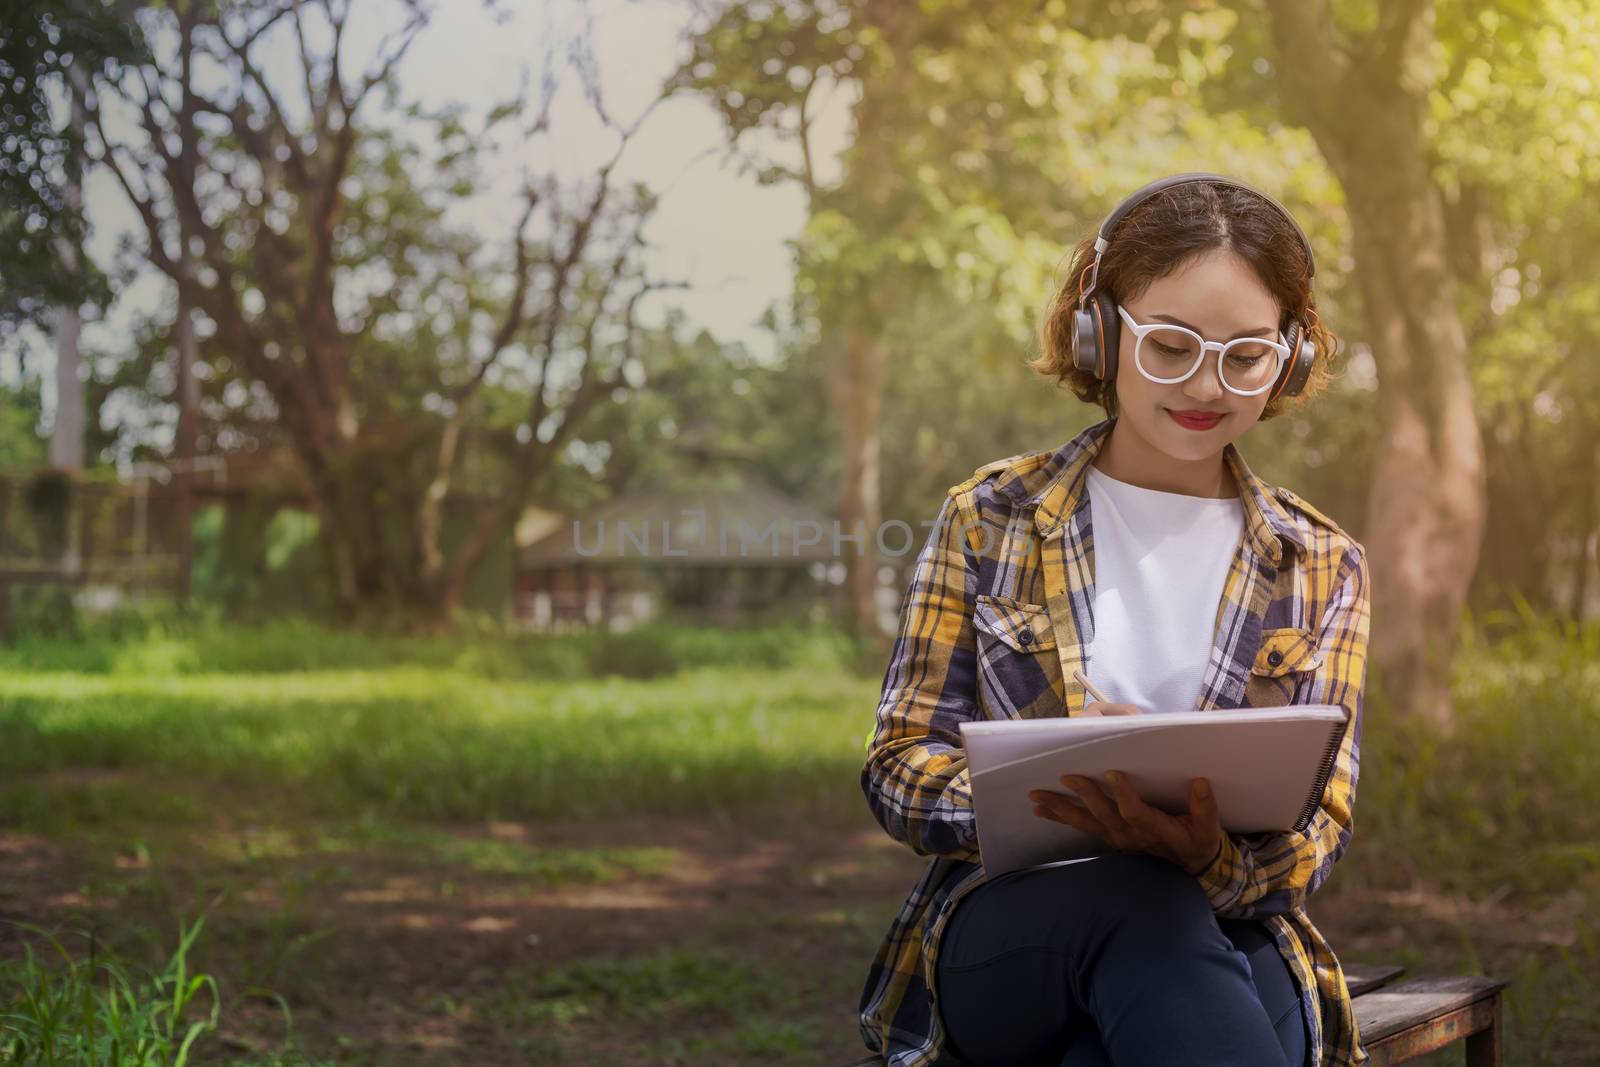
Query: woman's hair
[[1163, 234]]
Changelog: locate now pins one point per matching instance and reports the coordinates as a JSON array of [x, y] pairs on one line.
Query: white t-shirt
[[1160, 562]]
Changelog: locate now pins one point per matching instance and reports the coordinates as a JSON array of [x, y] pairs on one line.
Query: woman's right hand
[[1106, 707]]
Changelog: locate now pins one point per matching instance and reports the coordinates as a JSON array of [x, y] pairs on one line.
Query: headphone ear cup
[[1085, 346], [1109, 331], [1094, 345], [1302, 354]]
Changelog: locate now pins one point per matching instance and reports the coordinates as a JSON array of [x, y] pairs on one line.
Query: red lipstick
[[1196, 420]]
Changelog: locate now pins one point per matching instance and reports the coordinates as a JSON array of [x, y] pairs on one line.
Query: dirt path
[[753, 946], [384, 957]]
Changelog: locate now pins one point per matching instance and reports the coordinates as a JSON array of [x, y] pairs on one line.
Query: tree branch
[[1391, 52], [431, 509], [409, 34], [296, 161]]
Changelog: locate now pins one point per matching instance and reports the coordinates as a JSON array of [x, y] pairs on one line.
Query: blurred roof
[[535, 523], [753, 525]]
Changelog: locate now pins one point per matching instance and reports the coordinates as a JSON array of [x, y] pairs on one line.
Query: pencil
[[1083, 680]]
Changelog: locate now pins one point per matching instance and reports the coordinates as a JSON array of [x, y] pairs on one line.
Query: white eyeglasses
[[1168, 354]]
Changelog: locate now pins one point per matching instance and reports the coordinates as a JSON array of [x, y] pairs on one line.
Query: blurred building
[[715, 556]]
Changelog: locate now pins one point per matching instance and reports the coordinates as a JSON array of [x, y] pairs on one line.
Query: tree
[[310, 239], [986, 139], [818, 46], [1517, 151], [40, 42]]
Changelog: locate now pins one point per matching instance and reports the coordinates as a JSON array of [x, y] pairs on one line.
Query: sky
[[716, 229]]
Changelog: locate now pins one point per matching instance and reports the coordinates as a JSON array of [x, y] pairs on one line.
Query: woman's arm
[[1267, 874], [916, 778]]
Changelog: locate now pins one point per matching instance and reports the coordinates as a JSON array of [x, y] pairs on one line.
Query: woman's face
[[1219, 297]]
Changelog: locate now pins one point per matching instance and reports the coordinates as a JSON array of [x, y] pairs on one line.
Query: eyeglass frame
[[1140, 330]]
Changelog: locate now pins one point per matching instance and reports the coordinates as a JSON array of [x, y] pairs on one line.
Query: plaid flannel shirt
[[1012, 548]]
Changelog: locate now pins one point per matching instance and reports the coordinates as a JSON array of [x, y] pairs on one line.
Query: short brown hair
[[1163, 234]]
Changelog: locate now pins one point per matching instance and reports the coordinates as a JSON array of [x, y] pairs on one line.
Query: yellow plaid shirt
[[1012, 549]]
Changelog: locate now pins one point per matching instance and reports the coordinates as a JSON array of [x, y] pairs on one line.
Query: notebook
[[1268, 768]]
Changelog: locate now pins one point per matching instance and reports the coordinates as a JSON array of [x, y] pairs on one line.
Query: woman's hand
[[1128, 824]]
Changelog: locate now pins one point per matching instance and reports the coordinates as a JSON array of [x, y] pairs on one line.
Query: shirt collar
[[1061, 493]]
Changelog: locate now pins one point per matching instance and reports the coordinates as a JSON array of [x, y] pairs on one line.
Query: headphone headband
[[1139, 196]]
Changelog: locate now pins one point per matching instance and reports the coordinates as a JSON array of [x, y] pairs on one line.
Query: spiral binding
[[1329, 758]]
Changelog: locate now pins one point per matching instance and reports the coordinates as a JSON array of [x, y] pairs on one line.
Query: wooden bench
[[1402, 1022]]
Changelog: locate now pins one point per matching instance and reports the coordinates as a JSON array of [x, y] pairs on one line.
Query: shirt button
[[1025, 635], [1275, 657]]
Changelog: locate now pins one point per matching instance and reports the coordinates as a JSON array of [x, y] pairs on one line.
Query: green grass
[[1512, 801], [439, 744], [64, 1009], [396, 728], [162, 644]]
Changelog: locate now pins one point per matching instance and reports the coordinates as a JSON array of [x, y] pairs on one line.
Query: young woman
[[1146, 554]]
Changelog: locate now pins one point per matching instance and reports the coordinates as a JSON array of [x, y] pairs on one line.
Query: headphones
[[1096, 329]]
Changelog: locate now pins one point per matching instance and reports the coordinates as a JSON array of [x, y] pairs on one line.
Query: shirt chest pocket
[[1019, 666], [1285, 655]]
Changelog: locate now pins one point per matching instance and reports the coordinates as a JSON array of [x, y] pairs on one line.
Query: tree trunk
[[1587, 535], [856, 389], [1515, 560], [66, 438], [184, 450], [348, 503], [186, 389], [856, 371], [1426, 502]]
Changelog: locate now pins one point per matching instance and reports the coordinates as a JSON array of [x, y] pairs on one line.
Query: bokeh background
[[344, 344]]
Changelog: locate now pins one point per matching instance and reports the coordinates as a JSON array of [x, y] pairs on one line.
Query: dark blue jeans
[[1119, 960]]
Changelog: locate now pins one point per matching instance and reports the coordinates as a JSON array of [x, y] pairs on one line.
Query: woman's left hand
[[1128, 824]]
